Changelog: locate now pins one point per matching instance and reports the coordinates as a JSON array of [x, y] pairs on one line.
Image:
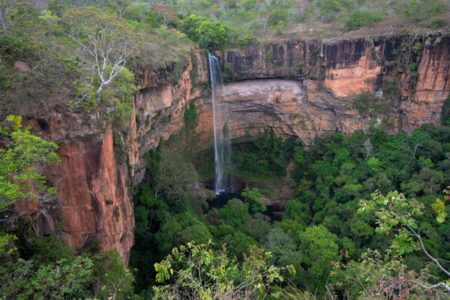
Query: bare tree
[[105, 39]]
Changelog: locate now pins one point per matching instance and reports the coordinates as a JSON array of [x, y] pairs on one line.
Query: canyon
[[300, 88]]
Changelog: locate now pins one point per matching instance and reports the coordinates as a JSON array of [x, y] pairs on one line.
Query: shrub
[[438, 23], [6, 79], [362, 102], [330, 8], [228, 71], [390, 88], [14, 47], [278, 16], [190, 115], [123, 113], [419, 10], [246, 40], [49, 249], [363, 18]]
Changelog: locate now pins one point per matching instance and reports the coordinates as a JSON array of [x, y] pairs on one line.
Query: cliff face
[[288, 107], [304, 88], [93, 195], [298, 88], [93, 203], [99, 164], [159, 107]]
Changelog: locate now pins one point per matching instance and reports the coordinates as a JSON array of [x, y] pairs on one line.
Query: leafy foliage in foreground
[[52, 271], [200, 272], [61, 280]]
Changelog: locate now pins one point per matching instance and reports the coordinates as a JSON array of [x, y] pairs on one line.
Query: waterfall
[[222, 146]]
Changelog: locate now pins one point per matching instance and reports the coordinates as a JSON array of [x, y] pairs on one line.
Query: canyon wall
[[100, 163], [303, 88], [297, 88]]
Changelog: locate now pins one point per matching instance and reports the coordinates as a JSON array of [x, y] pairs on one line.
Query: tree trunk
[[3, 20]]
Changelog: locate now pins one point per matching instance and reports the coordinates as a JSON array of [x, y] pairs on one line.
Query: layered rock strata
[[304, 88], [297, 88]]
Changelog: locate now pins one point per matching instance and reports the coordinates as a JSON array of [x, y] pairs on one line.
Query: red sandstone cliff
[[99, 164], [298, 88]]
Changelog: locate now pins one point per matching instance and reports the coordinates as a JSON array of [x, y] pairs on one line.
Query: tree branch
[[433, 259]]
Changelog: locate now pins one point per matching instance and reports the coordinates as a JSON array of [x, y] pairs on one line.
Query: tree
[[257, 226], [113, 279], [199, 272], [395, 213], [17, 15], [253, 197], [319, 250], [211, 35], [20, 174], [378, 276], [282, 246], [234, 213], [174, 175], [138, 11], [197, 232], [5, 5], [104, 38]]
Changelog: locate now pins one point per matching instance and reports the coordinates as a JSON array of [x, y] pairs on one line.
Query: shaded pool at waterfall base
[[233, 185]]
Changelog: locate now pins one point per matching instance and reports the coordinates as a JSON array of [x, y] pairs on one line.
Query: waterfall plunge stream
[[222, 146]]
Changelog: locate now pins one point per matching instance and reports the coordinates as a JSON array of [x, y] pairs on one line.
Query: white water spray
[[222, 147]]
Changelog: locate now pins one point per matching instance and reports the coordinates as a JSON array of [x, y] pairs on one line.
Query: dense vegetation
[[338, 244], [328, 241]]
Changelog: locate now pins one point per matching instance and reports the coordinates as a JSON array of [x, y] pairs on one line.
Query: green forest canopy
[[331, 236]]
